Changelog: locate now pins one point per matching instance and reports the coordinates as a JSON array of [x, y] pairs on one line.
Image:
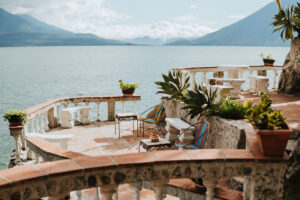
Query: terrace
[[96, 162]]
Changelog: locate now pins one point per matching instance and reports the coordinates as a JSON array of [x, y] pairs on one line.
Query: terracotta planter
[[273, 142], [268, 62], [128, 93], [15, 124]]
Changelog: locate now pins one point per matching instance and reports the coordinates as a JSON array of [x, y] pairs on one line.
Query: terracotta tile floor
[[99, 138]]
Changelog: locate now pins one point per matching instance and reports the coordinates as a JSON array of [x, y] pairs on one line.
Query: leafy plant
[[174, 85], [267, 57], [128, 88], [287, 21], [200, 101], [16, 116], [231, 109], [262, 116]]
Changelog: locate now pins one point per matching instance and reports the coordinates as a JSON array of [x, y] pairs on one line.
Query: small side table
[[163, 144], [126, 117]]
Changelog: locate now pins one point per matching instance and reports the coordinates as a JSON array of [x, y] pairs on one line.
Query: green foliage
[[231, 109], [262, 116], [267, 57], [287, 21], [200, 101], [173, 85], [128, 88], [16, 116]]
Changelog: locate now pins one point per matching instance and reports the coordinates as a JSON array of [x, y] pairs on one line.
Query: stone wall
[[223, 133]]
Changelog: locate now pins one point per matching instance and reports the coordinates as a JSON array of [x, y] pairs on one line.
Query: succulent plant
[[173, 85], [231, 109], [262, 116]]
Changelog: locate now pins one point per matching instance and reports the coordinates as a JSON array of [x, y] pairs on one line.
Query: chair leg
[[143, 128]]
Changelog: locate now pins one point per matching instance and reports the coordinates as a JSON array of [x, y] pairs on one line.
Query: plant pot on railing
[[273, 142], [129, 92], [268, 62], [16, 117], [271, 130], [127, 88]]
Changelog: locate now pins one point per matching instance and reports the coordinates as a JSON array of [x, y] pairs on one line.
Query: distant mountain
[[150, 41], [254, 30], [23, 30]]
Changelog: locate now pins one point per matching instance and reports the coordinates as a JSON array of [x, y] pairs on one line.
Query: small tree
[[287, 21]]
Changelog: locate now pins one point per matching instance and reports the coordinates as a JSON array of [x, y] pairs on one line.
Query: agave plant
[[174, 85], [287, 21], [200, 101]]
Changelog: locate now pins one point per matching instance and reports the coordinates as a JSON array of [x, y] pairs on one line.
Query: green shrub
[[262, 116], [128, 88], [173, 85], [231, 109], [200, 101], [16, 116]]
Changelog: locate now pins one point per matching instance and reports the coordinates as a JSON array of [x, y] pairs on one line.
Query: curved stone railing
[[45, 116], [233, 71], [69, 171]]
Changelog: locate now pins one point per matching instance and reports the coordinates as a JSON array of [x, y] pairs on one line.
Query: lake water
[[33, 75]]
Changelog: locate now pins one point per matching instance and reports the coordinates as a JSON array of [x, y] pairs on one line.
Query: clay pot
[[15, 124], [273, 142], [268, 62], [128, 93]]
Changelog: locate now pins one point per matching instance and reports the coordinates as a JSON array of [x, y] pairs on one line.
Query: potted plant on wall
[[271, 129], [127, 88], [16, 117], [268, 60]]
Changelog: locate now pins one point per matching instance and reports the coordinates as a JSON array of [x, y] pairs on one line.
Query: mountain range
[[254, 30], [24, 30]]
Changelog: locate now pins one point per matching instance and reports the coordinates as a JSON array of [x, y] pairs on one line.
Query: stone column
[[108, 191], [210, 184], [52, 120], [159, 186], [111, 110]]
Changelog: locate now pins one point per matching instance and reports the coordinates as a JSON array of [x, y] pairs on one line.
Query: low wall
[[223, 133]]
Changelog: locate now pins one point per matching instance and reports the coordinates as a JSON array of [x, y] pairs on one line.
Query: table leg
[[119, 128]]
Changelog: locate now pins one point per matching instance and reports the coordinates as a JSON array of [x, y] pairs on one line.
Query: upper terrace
[[98, 158]]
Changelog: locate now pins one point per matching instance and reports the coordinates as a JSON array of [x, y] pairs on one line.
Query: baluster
[[37, 129], [76, 104], [79, 194], [32, 125], [42, 126], [37, 157], [134, 107], [123, 106], [98, 111], [111, 110], [274, 81], [16, 137], [108, 191], [204, 78], [194, 79], [57, 113], [46, 125], [24, 131], [137, 189], [159, 186], [210, 184]]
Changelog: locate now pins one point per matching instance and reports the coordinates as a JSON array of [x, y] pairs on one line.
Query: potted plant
[[268, 60], [127, 88], [16, 117], [271, 130]]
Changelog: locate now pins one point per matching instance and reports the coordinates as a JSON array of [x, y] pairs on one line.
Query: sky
[[128, 19]]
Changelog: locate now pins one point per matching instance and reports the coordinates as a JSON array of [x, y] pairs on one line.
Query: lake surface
[[33, 75]]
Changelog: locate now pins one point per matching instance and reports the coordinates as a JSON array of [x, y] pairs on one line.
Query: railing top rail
[[45, 105], [225, 68]]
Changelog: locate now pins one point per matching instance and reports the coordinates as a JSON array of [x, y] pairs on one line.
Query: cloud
[[193, 6], [237, 16], [160, 30], [94, 16]]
